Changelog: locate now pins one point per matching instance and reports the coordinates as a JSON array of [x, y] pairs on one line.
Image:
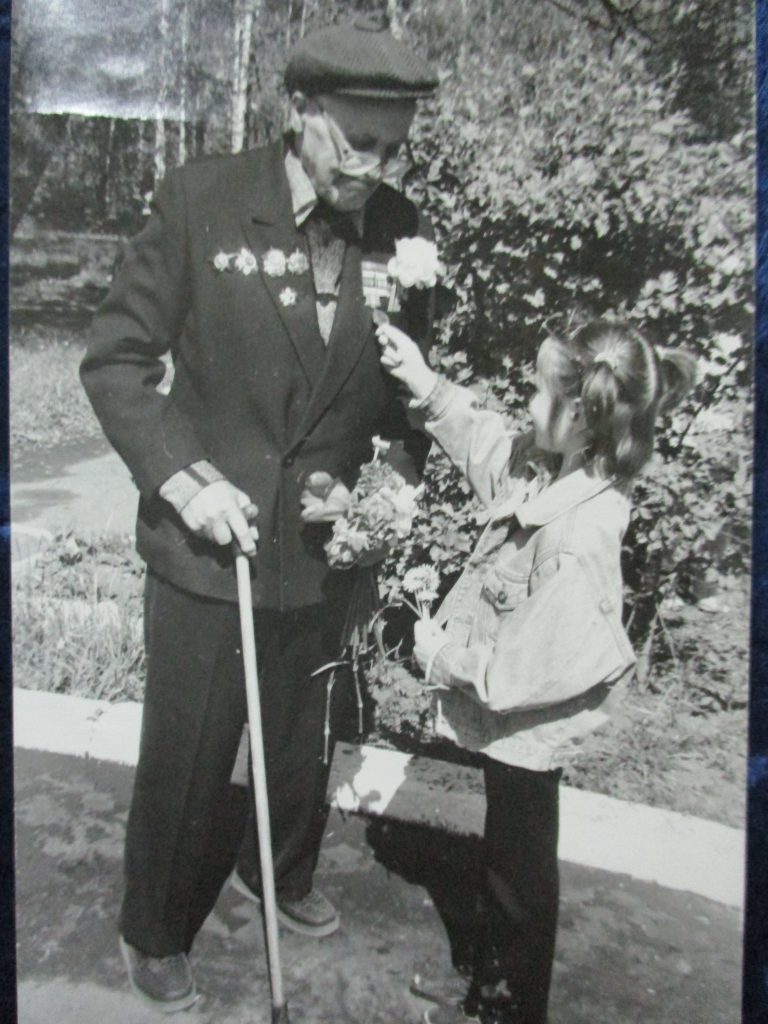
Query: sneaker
[[449, 987], [461, 1013], [164, 981], [472, 1010], [313, 915], [445, 1014]]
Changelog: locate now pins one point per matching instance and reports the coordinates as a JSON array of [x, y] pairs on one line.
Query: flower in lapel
[[298, 262], [221, 261], [414, 265], [288, 296], [274, 262], [246, 262]]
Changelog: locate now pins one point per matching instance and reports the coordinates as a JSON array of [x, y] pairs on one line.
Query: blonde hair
[[623, 382]]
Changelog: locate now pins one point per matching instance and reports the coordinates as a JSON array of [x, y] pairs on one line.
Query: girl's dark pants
[[517, 941], [188, 826]]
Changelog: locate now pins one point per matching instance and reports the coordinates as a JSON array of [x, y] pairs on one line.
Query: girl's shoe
[[466, 1011], [445, 1014], [447, 988]]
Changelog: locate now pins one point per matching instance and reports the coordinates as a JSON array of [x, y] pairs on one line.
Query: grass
[[680, 741], [47, 403], [77, 620], [77, 616]]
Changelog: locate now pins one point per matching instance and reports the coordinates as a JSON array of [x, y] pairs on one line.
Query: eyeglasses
[[367, 166]]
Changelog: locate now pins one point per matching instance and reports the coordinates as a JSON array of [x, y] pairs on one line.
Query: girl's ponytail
[[678, 375]]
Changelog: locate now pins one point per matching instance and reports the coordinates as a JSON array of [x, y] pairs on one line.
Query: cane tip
[[280, 1014]]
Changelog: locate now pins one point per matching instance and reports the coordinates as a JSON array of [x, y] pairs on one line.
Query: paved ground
[[86, 487], [627, 951]]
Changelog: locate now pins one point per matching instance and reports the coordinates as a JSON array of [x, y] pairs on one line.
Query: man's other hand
[[221, 512], [324, 498]]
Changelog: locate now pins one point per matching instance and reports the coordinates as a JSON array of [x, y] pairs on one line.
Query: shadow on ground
[[627, 951]]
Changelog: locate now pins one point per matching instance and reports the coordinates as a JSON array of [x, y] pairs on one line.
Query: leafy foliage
[[597, 161], [569, 187]]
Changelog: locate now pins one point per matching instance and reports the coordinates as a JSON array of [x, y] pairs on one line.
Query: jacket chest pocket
[[501, 593]]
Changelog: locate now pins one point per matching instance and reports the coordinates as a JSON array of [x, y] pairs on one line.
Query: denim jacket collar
[[552, 501]]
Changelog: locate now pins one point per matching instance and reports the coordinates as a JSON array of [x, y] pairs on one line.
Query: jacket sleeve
[[475, 440], [138, 322], [560, 641]]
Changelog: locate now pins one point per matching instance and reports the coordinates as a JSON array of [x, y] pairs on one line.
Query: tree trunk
[[393, 14], [304, 11], [464, 24], [106, 184], [162, 92], [36, 138], [243, 34], [159, 149], [183, 84], [288, 25]]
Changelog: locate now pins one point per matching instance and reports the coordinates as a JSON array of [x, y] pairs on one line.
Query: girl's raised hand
[[402, 357]]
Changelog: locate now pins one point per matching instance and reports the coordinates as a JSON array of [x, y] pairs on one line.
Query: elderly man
[[258, 273]]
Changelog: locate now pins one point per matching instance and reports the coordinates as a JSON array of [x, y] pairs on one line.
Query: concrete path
[[655, 943], [676, 851], [627, 951], [92, 493]]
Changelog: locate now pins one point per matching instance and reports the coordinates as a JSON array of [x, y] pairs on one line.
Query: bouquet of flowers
[[381, 510], [377, 514]]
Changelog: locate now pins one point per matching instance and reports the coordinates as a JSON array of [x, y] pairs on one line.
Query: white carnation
[[415, 263]]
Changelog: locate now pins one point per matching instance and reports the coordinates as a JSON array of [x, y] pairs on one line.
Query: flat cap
[[359, 59]]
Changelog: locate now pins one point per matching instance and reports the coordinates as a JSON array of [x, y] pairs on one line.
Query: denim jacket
[[534, 638]]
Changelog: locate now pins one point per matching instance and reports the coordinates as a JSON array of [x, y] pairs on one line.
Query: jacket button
[[288, 461], [501, 597]]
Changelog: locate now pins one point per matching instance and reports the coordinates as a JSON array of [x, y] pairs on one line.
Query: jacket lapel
[[269, 223], [351, 332]]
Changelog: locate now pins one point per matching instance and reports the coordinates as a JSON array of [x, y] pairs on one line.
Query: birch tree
[[184, 80], [162, 92], [305, 8], [245, 13], [393, 15]]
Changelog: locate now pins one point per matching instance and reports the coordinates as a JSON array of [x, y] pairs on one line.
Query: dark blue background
[[7, 916], [756, 923]]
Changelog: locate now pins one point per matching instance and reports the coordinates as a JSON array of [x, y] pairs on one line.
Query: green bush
[[567, 187]]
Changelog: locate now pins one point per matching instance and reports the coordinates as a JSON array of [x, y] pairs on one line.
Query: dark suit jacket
[[255, 390]]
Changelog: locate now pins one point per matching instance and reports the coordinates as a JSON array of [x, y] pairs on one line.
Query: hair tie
[[608, 358]]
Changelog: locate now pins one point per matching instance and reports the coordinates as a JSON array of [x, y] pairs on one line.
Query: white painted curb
[[673, 850]]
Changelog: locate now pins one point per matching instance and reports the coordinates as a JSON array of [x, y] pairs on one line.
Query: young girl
[[528, 647]]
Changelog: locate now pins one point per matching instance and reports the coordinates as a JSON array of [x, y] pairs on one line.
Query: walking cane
[[245, 601]]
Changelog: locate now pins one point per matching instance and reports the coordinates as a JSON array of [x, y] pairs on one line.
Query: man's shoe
[[444, 1014], [164, 981], [313, 915], [448, 988]]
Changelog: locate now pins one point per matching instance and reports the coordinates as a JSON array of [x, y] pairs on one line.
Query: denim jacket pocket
[[503, 591]]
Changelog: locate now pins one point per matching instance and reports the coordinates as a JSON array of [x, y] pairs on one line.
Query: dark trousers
[[188, 826], [520, 902]]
